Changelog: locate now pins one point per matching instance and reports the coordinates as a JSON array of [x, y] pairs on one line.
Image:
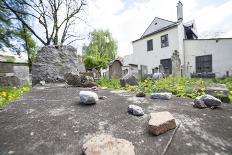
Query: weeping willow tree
[[101, 50]]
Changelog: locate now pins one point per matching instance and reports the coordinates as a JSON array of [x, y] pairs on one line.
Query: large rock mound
[[53, 62]]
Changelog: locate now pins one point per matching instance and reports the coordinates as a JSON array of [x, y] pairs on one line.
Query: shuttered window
[[150, 45], [204, 63], [164, 41]]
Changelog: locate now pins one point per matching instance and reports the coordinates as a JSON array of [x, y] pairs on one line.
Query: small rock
[[88, 97], [135, 110], [94, 88], [161, 122], [199, 104], [128, 80], [140, 94], [163, 96], [208, 100], [107, 145], [102, 97], [32, 133], [42, 83]]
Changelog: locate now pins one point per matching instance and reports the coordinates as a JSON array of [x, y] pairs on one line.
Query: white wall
[[152, 58], [220, 49]]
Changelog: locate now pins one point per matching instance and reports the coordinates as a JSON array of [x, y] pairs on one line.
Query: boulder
[[107, 145], [128, 80], [208, 100], [102, 97], [161, 122], [162, 96], [53, 62], [135, 110], [88, 97], [140, 94]]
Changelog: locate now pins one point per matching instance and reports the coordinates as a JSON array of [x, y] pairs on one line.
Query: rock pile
[[140, 94], [79, 80], [53, 62]]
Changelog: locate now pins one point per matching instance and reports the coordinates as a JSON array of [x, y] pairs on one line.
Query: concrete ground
[[50, 120]]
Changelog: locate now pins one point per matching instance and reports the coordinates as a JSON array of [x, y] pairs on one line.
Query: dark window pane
[[204, 63]]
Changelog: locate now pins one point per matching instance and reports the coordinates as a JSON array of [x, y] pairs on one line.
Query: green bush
[[115, 84], [9, 94]]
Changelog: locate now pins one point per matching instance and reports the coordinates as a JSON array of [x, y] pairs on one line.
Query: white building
[[163, 37]]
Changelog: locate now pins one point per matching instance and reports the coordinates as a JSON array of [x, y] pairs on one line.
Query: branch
[[170, 140], [23, 22]]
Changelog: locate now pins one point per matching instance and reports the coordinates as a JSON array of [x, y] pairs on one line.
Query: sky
[[128, 19]]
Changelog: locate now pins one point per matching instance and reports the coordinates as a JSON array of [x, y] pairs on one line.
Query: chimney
[[179, 11]]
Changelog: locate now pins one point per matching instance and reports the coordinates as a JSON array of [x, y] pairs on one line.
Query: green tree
[[101, 50]]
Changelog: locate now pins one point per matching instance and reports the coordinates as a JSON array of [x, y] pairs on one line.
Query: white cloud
[[128, 24]]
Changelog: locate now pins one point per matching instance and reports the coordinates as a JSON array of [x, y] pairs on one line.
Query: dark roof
[[155, 32]]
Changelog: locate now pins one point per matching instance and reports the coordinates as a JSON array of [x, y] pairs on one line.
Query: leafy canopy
[[101, 50]]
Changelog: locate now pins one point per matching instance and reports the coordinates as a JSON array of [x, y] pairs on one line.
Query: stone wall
[[10, 70]]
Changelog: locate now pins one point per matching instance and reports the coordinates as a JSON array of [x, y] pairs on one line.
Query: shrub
[[9, 94]]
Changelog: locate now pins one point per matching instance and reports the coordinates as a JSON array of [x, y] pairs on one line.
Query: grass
[[9, 94], [179, 86]]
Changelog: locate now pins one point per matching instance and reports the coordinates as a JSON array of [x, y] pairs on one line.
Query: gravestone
[[53, 62], [176, 62]]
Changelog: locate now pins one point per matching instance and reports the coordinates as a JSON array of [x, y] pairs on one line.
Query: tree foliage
[[54, 17], [101, 50]]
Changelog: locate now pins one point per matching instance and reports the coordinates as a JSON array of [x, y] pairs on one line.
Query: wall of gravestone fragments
[[13, 74]]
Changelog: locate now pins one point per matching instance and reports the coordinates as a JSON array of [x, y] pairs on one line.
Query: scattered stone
[[162, 96], [102, 97], [128, 80], [135, 110], [42, 83], [53, 62], [208, 100], [107, 145], [161, 122], [199, 104], [32, 133], [103, 88], [140, 94], [88, 97], [94, 88]]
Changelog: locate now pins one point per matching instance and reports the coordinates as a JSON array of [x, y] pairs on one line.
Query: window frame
[[149, 45], [164, 41], [204, 63]]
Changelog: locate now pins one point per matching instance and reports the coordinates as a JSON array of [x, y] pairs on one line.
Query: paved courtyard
[[50, 120]]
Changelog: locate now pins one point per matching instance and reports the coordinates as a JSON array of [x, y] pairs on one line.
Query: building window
[[204, 63], [150, 45], [164, 41]]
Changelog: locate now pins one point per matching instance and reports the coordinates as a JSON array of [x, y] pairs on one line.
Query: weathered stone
[[9, 81], [208, 100], [128, 80], [199, 104], [140, 94], [53, 62], [135, 110], [163, 96], [88, 97], [161, 122], [107, 145]]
